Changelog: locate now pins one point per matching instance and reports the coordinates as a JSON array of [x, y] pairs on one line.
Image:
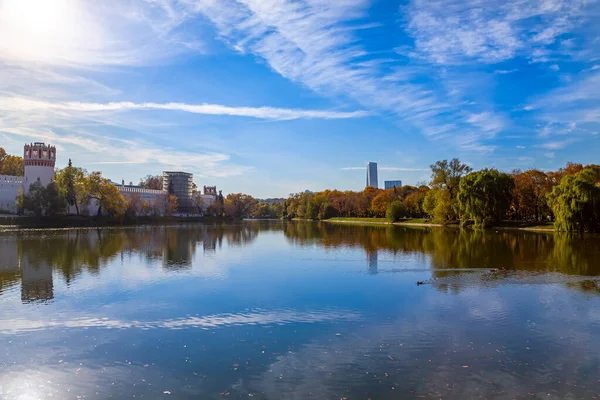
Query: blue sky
[[271, 97]]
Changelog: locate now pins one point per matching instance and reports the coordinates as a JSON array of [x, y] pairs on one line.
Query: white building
[[39, 160]]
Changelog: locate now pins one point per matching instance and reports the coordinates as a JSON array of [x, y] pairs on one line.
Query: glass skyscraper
[[372, 175], [392, 184]]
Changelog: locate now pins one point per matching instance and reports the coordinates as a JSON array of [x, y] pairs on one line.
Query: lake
[[293, 310]]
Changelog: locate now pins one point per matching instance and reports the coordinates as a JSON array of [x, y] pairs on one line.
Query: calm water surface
[[274, 310]]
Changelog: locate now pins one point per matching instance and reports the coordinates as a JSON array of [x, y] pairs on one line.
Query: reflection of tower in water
[[36, 283], [372, 261], [9, 264]]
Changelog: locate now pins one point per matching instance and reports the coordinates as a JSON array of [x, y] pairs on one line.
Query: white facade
[[39, 160], [9, 188]]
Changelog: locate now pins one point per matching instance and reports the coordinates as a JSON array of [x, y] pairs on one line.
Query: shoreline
[[422, 224], [29, 223]]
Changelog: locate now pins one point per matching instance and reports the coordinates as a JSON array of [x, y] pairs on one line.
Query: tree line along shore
[[566, 200]]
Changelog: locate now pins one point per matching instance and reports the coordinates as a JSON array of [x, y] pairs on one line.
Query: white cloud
[[505, 71], [556, 145], [123, 151], [313, 42], [460, 31], [549, 154], [487, 122], [25, 104], [554, 67], [521, 147]]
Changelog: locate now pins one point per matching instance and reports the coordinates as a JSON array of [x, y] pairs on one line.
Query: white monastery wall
[[9, 188]]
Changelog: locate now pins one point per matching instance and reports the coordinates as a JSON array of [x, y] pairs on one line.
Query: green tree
[[485, 196], [71, 184], [575, 202], [43, 200], [108, 196], [447, 175], [395, 211]]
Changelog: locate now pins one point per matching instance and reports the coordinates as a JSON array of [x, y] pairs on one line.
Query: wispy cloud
[[505, 71], [557, 145], [313, 42], [82, 145], [24, 104], [455, 32]]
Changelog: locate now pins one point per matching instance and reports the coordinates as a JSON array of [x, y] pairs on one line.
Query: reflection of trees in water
[[460, 248], [71, 252]]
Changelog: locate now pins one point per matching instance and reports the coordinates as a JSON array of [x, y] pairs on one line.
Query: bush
[[395, 211]]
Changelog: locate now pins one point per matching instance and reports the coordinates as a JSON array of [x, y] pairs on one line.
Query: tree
[[146, 208], [108, 196], [395, 211], [380, 202], [529, 194], [239, 205], [414, 202], [171, 203], [71, 184], [447, 175], [34, 199], [11, 165], [43, 200], [576, 202], [326, 211], [20, 200], [485, 196], [134, 205], [152, 182]]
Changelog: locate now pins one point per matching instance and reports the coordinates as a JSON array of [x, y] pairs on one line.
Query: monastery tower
[[39, 161]]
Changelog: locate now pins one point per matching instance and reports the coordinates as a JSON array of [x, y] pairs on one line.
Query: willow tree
[[575, 202], [485, 196]]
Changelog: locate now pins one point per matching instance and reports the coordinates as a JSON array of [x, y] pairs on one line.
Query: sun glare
[[35, 28]]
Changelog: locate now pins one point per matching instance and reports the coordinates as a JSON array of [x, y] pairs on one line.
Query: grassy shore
[[507, 225]]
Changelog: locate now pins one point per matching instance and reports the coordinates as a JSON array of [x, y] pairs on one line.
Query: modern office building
[[392, 184], [180, 184], [372, 175]]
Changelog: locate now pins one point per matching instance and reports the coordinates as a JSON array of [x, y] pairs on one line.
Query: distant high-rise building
[[372, 175], [392, 184]]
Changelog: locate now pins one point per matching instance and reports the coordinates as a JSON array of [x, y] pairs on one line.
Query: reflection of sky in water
[[258, 313]]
